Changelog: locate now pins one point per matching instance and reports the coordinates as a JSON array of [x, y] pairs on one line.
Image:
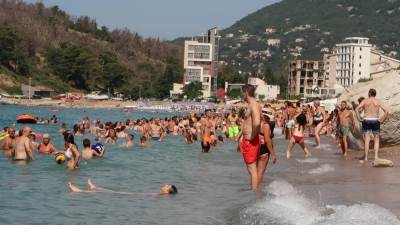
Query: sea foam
[[286, 205], [307, 160], [325, 168]]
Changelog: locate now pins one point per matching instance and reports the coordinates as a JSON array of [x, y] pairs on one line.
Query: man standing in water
[[206, 129], [23, 150], [346, 121], [372, 123], [9, 143], [250, 144]]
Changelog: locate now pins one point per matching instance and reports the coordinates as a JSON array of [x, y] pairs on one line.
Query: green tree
[[76, 65], [193, 90], [234, 93], [11, 54]]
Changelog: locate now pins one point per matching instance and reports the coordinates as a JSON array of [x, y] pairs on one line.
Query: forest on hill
[[263, 42], [68, 53]]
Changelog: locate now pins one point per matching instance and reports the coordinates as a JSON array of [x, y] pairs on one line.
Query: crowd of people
[[252, 127]]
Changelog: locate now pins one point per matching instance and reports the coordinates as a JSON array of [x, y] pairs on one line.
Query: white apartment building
[[200, 63], [353, 61], [263, 90]]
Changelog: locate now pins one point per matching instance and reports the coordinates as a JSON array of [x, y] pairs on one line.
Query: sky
[[166, 19]]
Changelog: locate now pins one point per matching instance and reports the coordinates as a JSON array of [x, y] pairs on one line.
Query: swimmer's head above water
[[169, 189]]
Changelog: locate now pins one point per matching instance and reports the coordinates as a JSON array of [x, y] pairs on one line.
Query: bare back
[[252, 121], [371, 108]]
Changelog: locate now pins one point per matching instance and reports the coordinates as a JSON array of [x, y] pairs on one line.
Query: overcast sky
[[166, 19]]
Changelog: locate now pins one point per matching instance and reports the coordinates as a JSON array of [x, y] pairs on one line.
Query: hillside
[[305, 29], [72, 53]]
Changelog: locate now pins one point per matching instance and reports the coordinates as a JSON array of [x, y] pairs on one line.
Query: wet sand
[[335, 180]]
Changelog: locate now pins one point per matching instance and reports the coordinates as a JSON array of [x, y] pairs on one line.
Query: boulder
[[388, 91], [382, 163]]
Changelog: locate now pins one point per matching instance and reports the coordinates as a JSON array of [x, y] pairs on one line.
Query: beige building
[[308, 79], [382, 64]]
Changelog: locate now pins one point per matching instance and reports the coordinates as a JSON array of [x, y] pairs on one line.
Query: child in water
[[298, 136]]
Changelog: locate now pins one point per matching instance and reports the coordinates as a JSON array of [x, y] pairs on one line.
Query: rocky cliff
[[388, 90]]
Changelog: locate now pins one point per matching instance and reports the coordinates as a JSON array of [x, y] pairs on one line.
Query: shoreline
[[93, 104]]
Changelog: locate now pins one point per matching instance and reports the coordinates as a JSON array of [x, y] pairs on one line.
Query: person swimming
[[167, 189]]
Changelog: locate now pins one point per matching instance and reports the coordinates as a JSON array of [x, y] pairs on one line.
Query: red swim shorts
[[250, 149]]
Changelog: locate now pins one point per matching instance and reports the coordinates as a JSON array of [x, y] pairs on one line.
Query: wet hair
[[249, 89], [131, 136], [173, 190], [220, 138], [86, 143], [372, 92], [301, 120], [360, 99], [143, 139], [5, 129], [69, 138]]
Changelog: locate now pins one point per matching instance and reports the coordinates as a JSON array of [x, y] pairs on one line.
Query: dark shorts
[[155, 138], [373, 126], [316, 122], [264, 150]]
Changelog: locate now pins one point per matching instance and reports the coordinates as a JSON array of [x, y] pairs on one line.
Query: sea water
[[213, 188]]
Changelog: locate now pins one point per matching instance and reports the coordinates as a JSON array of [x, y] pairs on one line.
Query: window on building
[[360, 57], [359, 73], [360, 49], [359, 65]]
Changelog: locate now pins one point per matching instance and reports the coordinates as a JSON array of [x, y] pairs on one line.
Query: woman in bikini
[[298, 136], [266, 148]]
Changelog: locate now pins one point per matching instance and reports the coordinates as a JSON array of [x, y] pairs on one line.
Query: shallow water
[[213, 188]]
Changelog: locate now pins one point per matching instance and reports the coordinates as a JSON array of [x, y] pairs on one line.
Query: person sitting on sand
[[167, 189], [298, 136]]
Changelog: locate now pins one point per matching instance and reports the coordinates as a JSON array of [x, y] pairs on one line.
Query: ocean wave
[[325, 168], [286, 205]]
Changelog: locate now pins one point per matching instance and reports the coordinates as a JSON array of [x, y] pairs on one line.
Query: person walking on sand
[[345, 125], [298, 136], [250, 144], [371, 123]]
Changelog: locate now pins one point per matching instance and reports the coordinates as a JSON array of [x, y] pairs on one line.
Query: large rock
[[388, 91]]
